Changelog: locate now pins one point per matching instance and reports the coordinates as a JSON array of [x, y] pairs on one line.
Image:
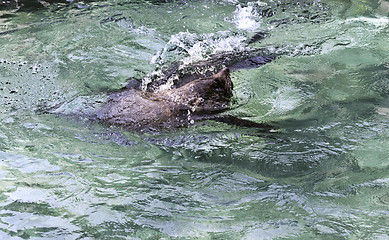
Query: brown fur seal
[[138, 110], [196, 95]]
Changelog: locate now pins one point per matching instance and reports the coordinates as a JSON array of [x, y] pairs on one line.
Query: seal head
[[139, 110]]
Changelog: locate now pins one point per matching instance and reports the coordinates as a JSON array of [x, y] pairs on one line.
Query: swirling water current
[[322, 175]]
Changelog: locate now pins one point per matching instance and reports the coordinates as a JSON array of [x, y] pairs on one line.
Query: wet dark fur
[[138, 110]]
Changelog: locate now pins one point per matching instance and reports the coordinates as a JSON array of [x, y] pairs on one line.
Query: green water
[[322, 175]]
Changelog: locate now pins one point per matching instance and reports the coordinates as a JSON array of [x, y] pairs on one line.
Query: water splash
[[188, 48], [248, 18], [195, 47]]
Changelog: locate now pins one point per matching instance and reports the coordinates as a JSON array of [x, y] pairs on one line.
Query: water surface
[[322, 175]]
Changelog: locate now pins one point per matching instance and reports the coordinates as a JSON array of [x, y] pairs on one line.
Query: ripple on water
[[323, 174], [26, 164]]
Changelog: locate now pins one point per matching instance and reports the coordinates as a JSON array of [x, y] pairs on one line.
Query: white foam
[[380, 22], [247, 18], [191, 47], [198, 47]]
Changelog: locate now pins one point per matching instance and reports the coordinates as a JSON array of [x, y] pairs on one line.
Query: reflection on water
[[321, 175]]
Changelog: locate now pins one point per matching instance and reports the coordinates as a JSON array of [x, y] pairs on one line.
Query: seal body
[[139, 110]]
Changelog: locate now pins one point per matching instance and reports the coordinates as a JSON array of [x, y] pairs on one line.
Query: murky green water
[[323, 175]]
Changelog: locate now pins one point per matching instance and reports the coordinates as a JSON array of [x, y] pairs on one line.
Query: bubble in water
[[27, 86]]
